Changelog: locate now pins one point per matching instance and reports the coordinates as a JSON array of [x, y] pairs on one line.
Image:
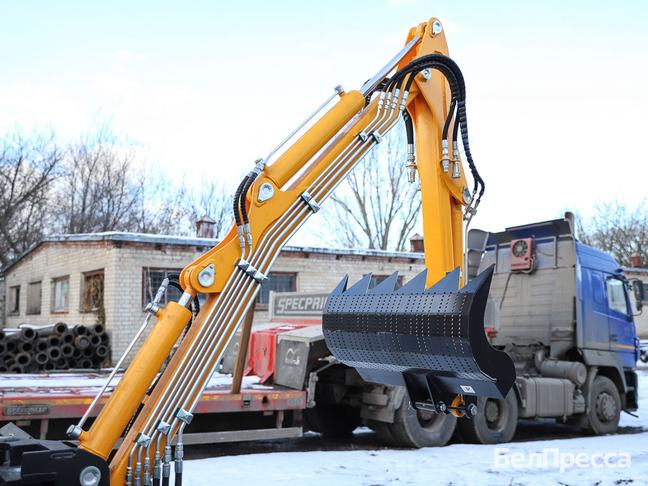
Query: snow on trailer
[[44, 404]]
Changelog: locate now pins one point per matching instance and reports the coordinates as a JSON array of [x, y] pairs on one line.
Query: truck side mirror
[[639, 293]]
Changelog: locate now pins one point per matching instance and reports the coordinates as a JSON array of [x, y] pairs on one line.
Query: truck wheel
[[495, 422], [383, 431], [605, 408], [332, 420], [416, 428]]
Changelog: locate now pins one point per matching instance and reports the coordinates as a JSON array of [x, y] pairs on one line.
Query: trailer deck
[[36, 401]]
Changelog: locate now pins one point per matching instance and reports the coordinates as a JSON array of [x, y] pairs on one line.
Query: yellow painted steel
[[314, 138], [291, 174], [131, 389]]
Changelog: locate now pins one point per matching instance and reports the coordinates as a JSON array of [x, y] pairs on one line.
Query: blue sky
[[557, 97]]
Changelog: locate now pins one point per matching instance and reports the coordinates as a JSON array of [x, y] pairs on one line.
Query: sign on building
[[286, 306]]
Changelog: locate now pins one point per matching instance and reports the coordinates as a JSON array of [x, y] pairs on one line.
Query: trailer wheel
[[334, 421], [495, 422], [416, 428], [605, 408]]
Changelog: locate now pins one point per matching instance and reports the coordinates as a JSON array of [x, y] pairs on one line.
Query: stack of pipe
[[33, 348]]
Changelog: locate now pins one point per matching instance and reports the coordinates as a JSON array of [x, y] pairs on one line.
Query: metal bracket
[[377, 137], [251, 271], [310, 201], [163, 427], [143, 440], [184, 416]]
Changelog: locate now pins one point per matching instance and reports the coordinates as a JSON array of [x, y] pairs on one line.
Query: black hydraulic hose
[[251, 177], [453, 74], [409, 128], [446, 125], [235, 202], [441, 63], [165, 481], [461, 110], [455, 128], [380, 87], [178, 479]]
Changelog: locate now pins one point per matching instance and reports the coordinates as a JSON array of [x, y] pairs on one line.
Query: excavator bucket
[[431, 341]]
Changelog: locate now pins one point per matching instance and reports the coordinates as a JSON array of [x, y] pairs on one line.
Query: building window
[[92, 291], [14, 300], [277, 282], [151, 281], [34, 297], [376, 279], [60, 293]]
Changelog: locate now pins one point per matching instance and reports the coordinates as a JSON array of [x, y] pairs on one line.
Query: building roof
[[643, 271], [153, 239]]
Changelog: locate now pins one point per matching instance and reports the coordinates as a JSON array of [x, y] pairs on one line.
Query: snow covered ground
[[611, 460]]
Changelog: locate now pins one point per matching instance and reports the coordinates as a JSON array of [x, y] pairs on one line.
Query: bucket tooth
[[448, 284], [479, 281], [341, 287], [387, 286], [414, 286], [360, 287]]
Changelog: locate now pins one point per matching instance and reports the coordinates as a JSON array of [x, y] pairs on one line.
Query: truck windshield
[[617, 296]]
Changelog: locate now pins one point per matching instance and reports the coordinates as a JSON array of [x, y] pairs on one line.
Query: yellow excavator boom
[[155, 398]]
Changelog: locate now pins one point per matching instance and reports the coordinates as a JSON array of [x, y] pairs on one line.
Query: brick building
[[80, 279]]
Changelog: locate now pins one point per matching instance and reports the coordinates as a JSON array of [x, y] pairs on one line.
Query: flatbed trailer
[[46, 404]]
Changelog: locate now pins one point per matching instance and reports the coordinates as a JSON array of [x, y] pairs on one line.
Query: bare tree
[[376, 207], [617, 229], [182, 206], [28, 168], [99, 190], [213, 201]]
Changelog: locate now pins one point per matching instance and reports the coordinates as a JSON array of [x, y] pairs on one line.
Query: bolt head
[[90, 476], [437, 28], [427, 74], [471, 410]]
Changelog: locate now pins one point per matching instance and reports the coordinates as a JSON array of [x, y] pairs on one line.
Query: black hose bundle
[[457, 110]]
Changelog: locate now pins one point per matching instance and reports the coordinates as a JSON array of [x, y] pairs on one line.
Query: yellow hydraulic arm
[[420, 84]]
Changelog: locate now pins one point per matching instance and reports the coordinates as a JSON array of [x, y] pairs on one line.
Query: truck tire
[[335, 421], [495, 422], [605, 407], [413, 428], [383, 431]]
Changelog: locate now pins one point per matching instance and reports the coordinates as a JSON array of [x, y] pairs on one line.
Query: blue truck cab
[[604, 312]]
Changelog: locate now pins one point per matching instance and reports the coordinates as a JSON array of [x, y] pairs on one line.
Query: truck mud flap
[[431, 341]]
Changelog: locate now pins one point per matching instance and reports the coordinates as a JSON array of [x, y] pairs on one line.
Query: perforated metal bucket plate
[[438, 332]]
